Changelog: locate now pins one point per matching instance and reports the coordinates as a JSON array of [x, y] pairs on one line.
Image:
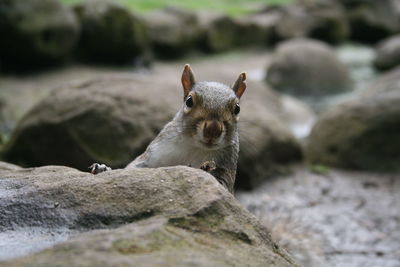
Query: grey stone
[[165, 216], [388, 53], [35, 33], [306, 67]]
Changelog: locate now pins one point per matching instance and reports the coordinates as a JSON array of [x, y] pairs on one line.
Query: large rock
[[388, 53], [35, 33], [112, 120], [109, 120], [327, 21], [167, 216], [372, 21], [361, 134], [110, 33], [172, 31], [307, 68]]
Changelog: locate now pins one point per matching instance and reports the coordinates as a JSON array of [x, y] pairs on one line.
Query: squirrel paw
[[96, 168], [208, 166]]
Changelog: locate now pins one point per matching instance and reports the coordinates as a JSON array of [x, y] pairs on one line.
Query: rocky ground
[[339, 218]]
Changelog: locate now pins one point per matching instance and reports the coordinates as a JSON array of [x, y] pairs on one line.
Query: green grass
[[231, 7]]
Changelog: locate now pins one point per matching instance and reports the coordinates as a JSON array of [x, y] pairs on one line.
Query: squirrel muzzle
[[212, 130]]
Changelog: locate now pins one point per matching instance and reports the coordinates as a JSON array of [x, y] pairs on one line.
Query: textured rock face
[[110, 33], [388, 53], [362, 134], [112, 120], [307, 68], [35, 33], [174, 216]]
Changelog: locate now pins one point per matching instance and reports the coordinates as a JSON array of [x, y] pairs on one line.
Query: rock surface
[[359, 134], [110, 33], [35, 33], [388, 53], [176, 215], [307, 68]]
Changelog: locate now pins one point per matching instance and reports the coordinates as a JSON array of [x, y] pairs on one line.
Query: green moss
[[163, 239], [128, 246], [319, 168], [231, 7]]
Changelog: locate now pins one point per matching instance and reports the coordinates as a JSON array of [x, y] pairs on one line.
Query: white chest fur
[[174, 152]]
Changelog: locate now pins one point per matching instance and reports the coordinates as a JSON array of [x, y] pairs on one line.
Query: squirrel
[[203, 134]]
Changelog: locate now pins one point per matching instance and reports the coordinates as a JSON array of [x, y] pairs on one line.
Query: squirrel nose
[[212, 129]]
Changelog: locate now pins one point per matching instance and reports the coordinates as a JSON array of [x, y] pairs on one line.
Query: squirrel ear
[[240, 85], [188, 80]]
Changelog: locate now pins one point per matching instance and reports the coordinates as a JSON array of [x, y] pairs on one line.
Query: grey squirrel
[[203, 133]]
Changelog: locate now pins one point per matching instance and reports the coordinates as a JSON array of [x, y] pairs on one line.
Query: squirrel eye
[[237, 109], [189, 102]]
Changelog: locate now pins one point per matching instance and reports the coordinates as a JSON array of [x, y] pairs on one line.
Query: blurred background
[[95, 81]]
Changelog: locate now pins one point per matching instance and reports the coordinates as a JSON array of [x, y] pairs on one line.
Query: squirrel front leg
[[224, 176]]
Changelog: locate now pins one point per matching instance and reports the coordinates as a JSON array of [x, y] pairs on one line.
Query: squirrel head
[[211, 110]]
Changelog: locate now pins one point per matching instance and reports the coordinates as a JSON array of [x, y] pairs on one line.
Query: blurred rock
[[221, 32], [387, 84], [307, 68], [372, 21], [177, 216], [106, 120], [112, 120], [324, 21], [360, 134], [172, 31], [255, 30], [328, 21], [110, 33], [35, 33], [267, 146], [388, 53]]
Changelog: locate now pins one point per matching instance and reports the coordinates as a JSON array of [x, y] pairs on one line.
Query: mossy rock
[[110, 33], [35, 33]]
